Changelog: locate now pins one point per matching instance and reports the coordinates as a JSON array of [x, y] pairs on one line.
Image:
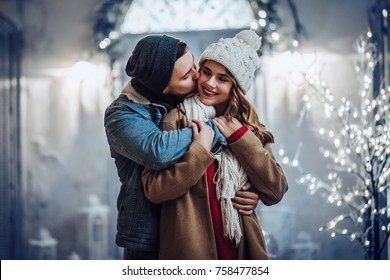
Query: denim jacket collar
[[134, 96], [130, 92]]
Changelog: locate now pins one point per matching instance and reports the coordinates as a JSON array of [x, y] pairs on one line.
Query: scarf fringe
[[229, 178]]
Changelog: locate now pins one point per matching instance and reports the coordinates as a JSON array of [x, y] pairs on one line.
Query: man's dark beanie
[[152, 62]]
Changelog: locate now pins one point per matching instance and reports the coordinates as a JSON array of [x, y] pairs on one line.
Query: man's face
[[184, 76]]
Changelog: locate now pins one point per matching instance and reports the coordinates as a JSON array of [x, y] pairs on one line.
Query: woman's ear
[[165, 91]]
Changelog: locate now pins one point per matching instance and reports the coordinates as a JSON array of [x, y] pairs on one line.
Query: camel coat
[[186, 227]]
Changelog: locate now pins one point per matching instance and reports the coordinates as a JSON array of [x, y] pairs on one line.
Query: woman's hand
[[203, 133], [245, 200], [227, 127]]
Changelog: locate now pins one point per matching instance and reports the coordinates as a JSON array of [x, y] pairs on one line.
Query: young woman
[[198, 220]]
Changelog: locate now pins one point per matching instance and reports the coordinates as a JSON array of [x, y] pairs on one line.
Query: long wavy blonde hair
[[241, 108]]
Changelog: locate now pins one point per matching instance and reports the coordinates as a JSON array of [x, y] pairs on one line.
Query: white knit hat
[[238, 55]]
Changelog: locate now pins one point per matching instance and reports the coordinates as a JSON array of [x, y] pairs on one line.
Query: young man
[[162, 71]]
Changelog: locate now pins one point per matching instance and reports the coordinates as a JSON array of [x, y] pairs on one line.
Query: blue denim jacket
[[136, 141]]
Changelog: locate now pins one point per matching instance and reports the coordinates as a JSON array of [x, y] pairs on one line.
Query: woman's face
[[214, 86]]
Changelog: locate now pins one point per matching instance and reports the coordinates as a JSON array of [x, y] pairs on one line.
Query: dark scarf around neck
[[168, 101]]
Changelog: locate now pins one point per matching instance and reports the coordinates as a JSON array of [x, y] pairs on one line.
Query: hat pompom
[[251, 38]]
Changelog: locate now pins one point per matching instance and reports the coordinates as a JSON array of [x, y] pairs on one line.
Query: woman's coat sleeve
[[172, 182], [265, 174]]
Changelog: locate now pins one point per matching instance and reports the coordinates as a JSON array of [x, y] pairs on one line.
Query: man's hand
[[245, 200]]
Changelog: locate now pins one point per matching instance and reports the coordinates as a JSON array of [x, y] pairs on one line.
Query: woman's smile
[[208, 93]]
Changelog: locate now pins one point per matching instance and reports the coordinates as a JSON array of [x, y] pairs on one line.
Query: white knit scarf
[[230, 176]]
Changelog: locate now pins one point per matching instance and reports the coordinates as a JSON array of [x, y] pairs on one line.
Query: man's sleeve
[[140, 140]]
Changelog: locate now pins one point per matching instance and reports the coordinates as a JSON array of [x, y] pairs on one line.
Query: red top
[[225, 247]]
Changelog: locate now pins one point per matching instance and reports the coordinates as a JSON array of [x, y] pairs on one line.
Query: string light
[[267, 25], [360, 147]]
